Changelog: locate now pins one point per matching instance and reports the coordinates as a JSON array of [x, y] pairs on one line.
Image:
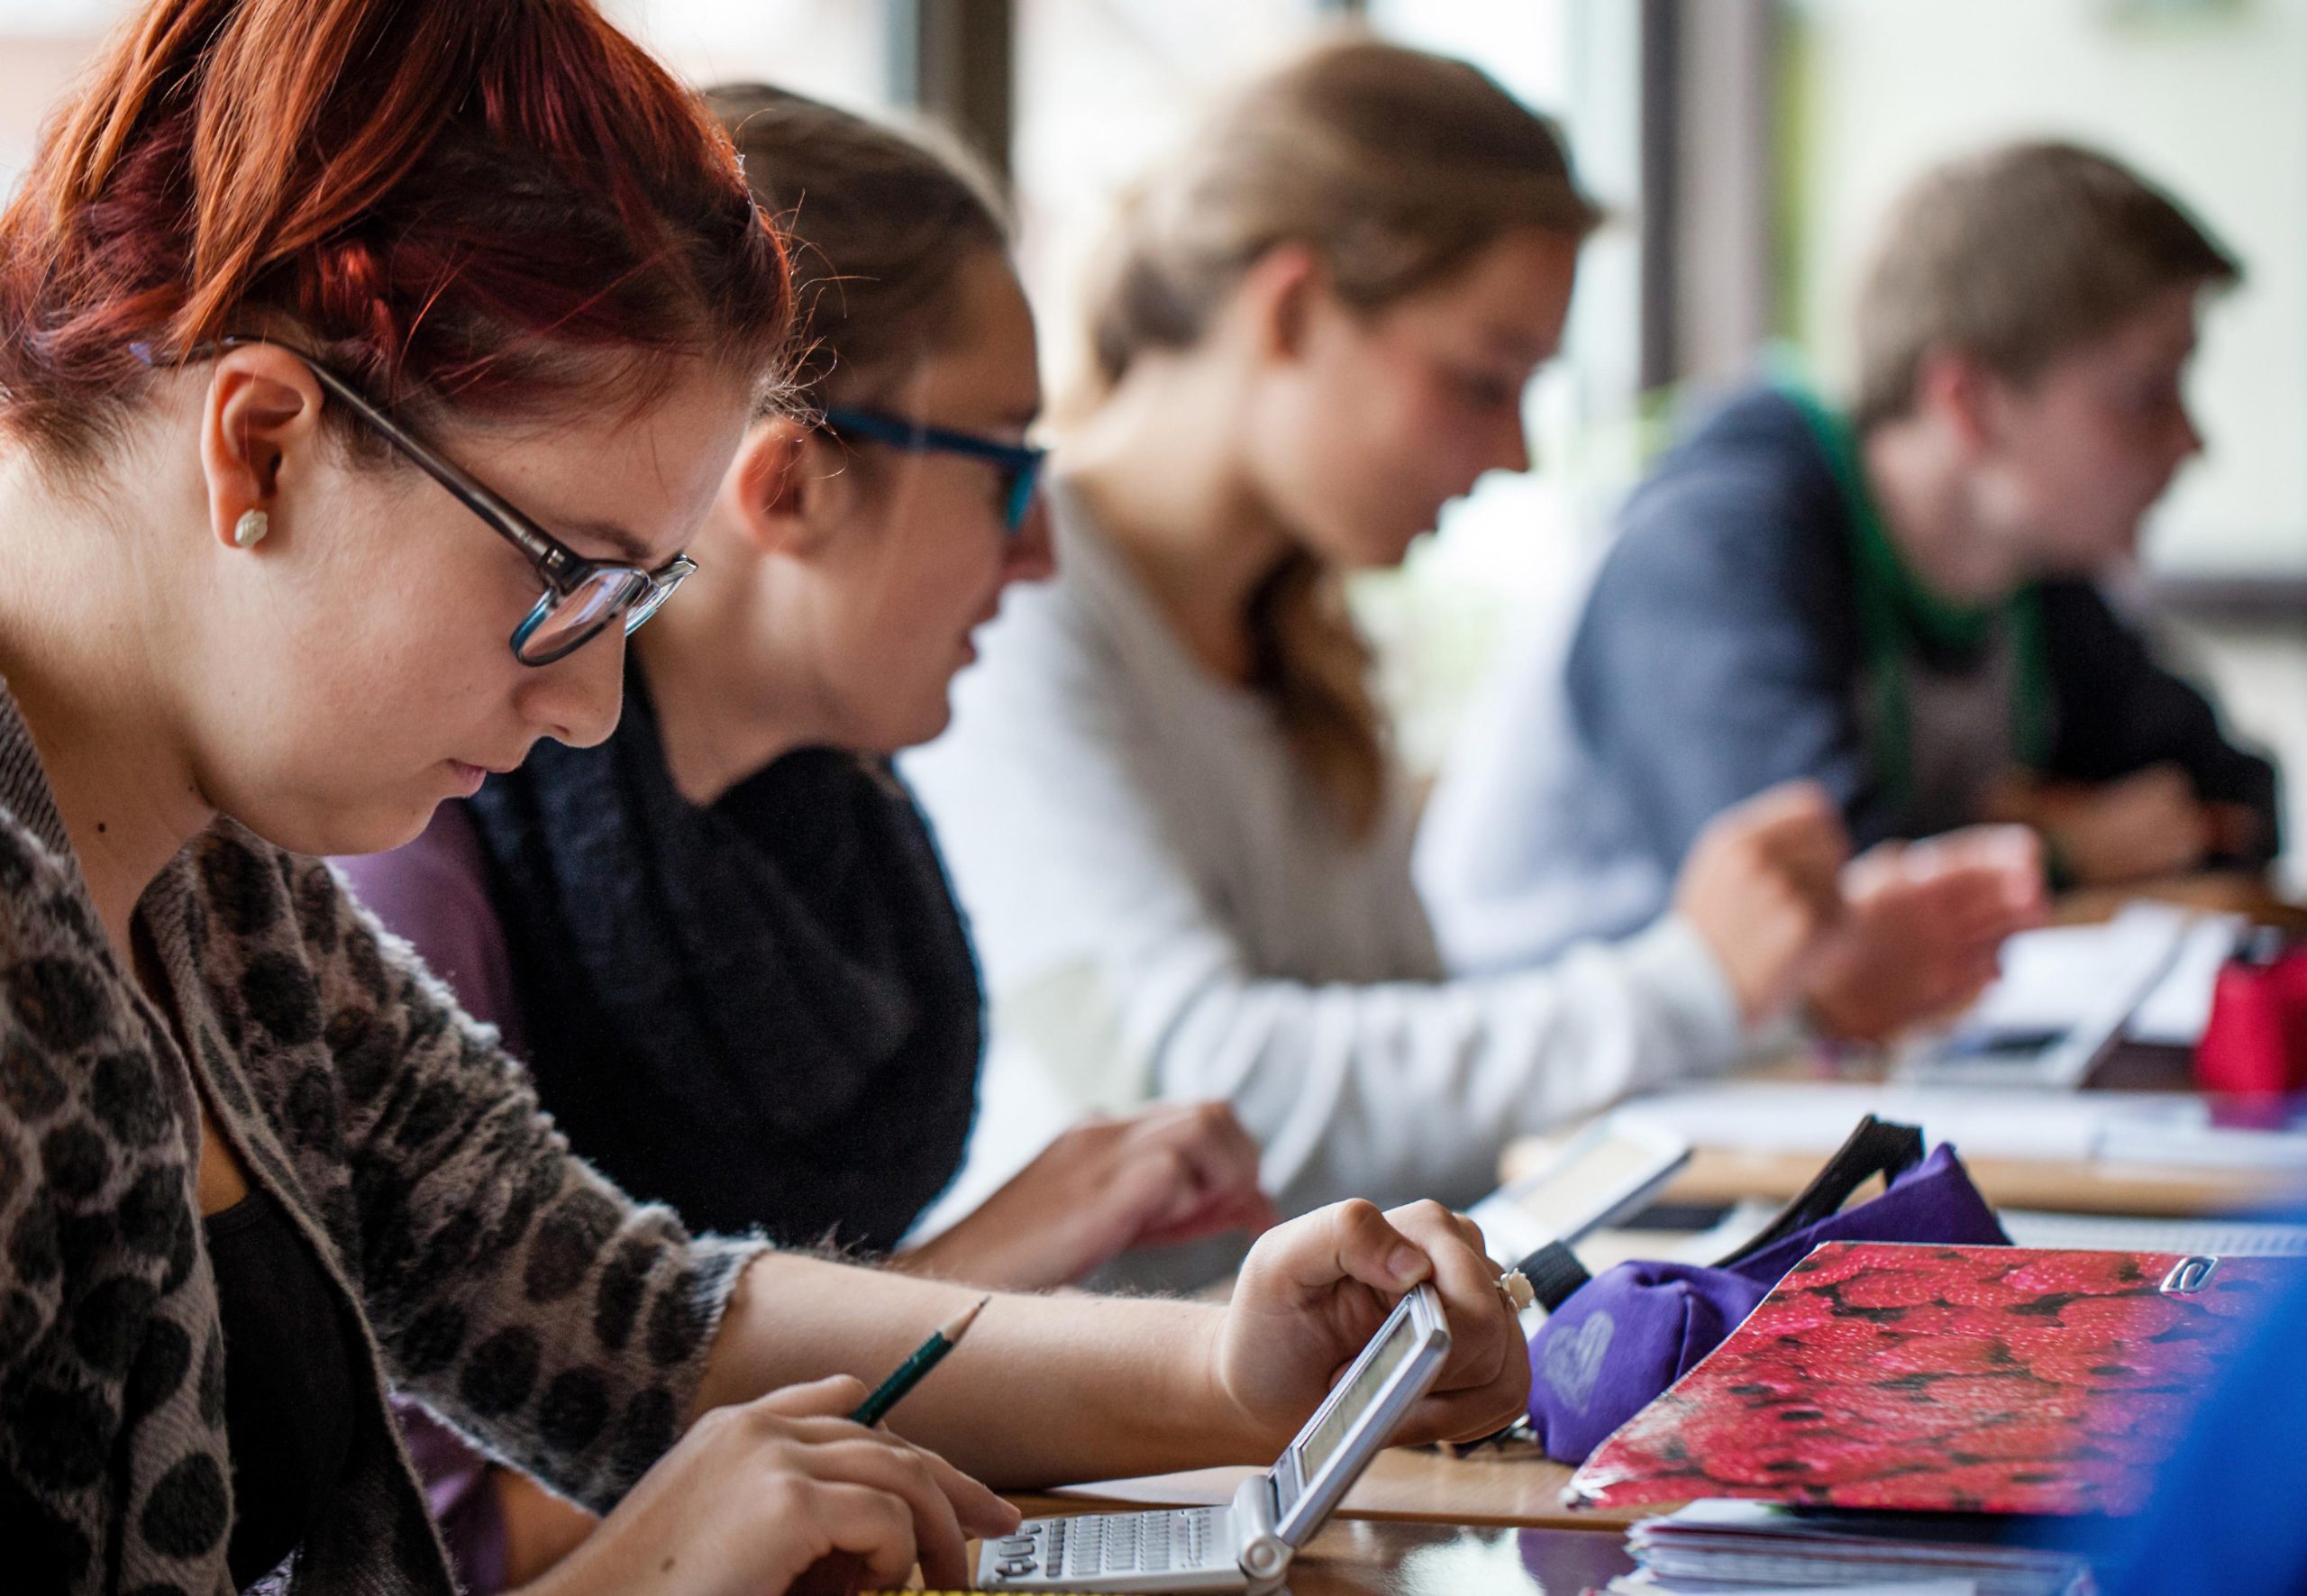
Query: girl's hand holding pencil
[[785, 1492]]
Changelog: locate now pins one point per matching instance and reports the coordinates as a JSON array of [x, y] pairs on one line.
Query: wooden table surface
[[1511, 1486], [1718, 1177], [2248, 893], [1721, 1176], [1369, 1557], [1360, 1557]]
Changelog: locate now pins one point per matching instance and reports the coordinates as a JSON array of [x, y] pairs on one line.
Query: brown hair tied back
[[1396, 169], [876, 221]]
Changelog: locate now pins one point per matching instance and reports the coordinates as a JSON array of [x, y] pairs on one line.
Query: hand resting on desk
[[1871, 946], [1923, 928], [1170, 1174], [2147, 824]]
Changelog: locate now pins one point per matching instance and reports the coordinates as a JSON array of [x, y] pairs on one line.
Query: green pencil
[[908, 1374]]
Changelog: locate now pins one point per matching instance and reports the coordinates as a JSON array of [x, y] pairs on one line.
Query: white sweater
[[1163, 908]]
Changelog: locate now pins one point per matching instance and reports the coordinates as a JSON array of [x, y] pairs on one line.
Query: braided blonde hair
[[1394, 166]]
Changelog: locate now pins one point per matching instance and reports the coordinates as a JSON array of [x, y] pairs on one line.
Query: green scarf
[[1899, 616]]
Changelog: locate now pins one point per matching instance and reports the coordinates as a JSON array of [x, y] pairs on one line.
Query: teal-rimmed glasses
[[1018, 464]]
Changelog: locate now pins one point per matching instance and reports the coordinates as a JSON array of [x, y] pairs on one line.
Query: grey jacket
[[485, 1269]]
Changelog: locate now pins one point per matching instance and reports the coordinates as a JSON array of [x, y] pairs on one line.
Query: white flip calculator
[[1247, 1544], [1605, 1173]]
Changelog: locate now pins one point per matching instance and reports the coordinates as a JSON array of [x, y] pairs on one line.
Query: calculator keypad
[[1051, 1554]]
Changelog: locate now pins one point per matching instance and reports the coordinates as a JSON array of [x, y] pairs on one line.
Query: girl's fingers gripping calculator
[[1247, 1544]]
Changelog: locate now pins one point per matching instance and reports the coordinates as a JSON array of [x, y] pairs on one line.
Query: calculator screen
[[1562, 1201], [1322, 1441]]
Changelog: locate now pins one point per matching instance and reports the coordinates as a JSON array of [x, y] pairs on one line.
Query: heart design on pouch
[[1573, 1361]]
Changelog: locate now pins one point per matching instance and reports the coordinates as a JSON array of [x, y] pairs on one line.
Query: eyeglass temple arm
[[549, 557], [889, 430]]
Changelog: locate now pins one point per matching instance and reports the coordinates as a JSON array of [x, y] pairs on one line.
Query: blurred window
[[1104, 89], [837, 49], [2201, 96]]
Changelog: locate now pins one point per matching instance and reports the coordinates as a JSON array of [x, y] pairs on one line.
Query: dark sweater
[[1719, 651]]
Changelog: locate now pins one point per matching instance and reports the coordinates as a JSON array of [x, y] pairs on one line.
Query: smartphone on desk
[[1247, 1544], [1608, 1171]]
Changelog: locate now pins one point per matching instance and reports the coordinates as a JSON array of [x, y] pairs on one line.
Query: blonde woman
[[1167, 797]]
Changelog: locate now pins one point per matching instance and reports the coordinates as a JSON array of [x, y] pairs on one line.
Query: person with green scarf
[[1898, 598]]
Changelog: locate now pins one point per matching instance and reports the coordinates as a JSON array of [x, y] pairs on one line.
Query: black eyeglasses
[[1019, 464], [582, 597]]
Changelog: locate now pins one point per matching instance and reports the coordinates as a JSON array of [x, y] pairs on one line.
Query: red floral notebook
[[1998, 1380]]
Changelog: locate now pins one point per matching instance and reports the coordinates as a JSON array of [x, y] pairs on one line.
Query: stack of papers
[[1750, 1547]]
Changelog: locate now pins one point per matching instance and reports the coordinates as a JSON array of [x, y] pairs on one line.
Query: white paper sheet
[[2172, 1128]]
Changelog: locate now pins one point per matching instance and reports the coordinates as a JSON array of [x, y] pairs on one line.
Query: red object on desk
[[1999, 1379], [2257, 1041]]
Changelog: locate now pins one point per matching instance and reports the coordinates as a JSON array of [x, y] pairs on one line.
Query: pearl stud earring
[[250, 529]]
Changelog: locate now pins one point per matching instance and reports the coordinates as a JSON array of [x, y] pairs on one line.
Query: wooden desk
[[1720, 1177], [1516, 1486], [2248, 893], [1359, 1557], [1356, 1557]]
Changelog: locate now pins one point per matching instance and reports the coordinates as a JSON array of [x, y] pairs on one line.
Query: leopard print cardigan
[[479, 1265]]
